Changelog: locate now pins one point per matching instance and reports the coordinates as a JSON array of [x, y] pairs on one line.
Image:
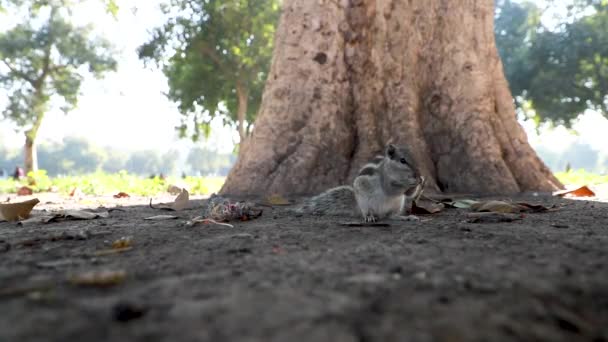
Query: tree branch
[[19, 73], [212, 54]]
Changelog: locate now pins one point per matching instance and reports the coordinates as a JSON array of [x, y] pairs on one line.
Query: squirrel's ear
[[390, 150]]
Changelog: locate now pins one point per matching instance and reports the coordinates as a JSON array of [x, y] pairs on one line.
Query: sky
[[127, 109]]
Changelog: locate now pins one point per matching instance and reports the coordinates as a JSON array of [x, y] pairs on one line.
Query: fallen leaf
[[81, 214], [121, 195], [76, 192], [497, 207], [277, 199], [181, 201], [534, 208], [583, 191], [161, 217], [37, 219], [460, 204], [99, 278], [492, 217], [123, 242], [422, 206], [17, 211], [105, 252], [24, 191], [65, 215], [174, 189]]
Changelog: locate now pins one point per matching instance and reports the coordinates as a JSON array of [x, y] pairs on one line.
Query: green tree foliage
[[43, 60], [216, 55], [558, 72]]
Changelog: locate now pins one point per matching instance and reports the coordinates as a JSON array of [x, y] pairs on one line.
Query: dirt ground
[[287, 278]]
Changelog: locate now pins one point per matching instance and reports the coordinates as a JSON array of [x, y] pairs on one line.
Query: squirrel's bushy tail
[[339, 201]]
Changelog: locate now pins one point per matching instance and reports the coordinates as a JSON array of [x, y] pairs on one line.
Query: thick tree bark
[[348, 76], [242, 94], [30, 152], [31, 157]]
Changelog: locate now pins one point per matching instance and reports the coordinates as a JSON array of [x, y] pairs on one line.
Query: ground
[[287, 278]]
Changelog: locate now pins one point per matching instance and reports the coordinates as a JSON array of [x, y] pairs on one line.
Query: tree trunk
[[243, 95], [348, 76], [31, 156]]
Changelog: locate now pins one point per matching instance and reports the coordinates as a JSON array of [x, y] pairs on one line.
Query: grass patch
[[107, 184], [581, 177]]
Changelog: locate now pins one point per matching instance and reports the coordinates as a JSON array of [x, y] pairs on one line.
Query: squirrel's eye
[[403, 161]]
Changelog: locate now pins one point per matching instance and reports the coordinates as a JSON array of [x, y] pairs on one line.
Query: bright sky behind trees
[[128, 110]]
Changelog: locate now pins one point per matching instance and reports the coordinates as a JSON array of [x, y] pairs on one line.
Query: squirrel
[[379, 191]]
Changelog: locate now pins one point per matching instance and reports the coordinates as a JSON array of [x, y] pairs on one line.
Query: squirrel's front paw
[[370, 219]]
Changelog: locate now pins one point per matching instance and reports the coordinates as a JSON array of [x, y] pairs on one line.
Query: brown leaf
[[105, 252], [174, 189], [583, 191], [422, 207], [65, 215], [277, 199], [492, 217], [76, 192], [81, 214], [121, 195], [17, 211], [99, 278], [497, 207], [123, 242], [181, 201], [533, 208], [24, 191]]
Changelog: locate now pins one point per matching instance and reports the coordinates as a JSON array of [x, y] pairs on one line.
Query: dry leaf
[[81, 214], [123, 242], [161, 217], [492, 217], [181, 201], [17, 211], [38, 219], [422, 206], [534, 208], [65, 215], [24, 191], [76, 192], [99, 278], [497, 207], [121, 195], [105, 252], [174, 189], [277, 199], [583, 191], [460, 204]]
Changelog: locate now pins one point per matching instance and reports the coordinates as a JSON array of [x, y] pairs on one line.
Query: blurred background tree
[[216, 55], [557, 67], [43, 61]]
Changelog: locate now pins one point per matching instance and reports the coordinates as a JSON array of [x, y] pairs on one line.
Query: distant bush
[[100, 183]]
